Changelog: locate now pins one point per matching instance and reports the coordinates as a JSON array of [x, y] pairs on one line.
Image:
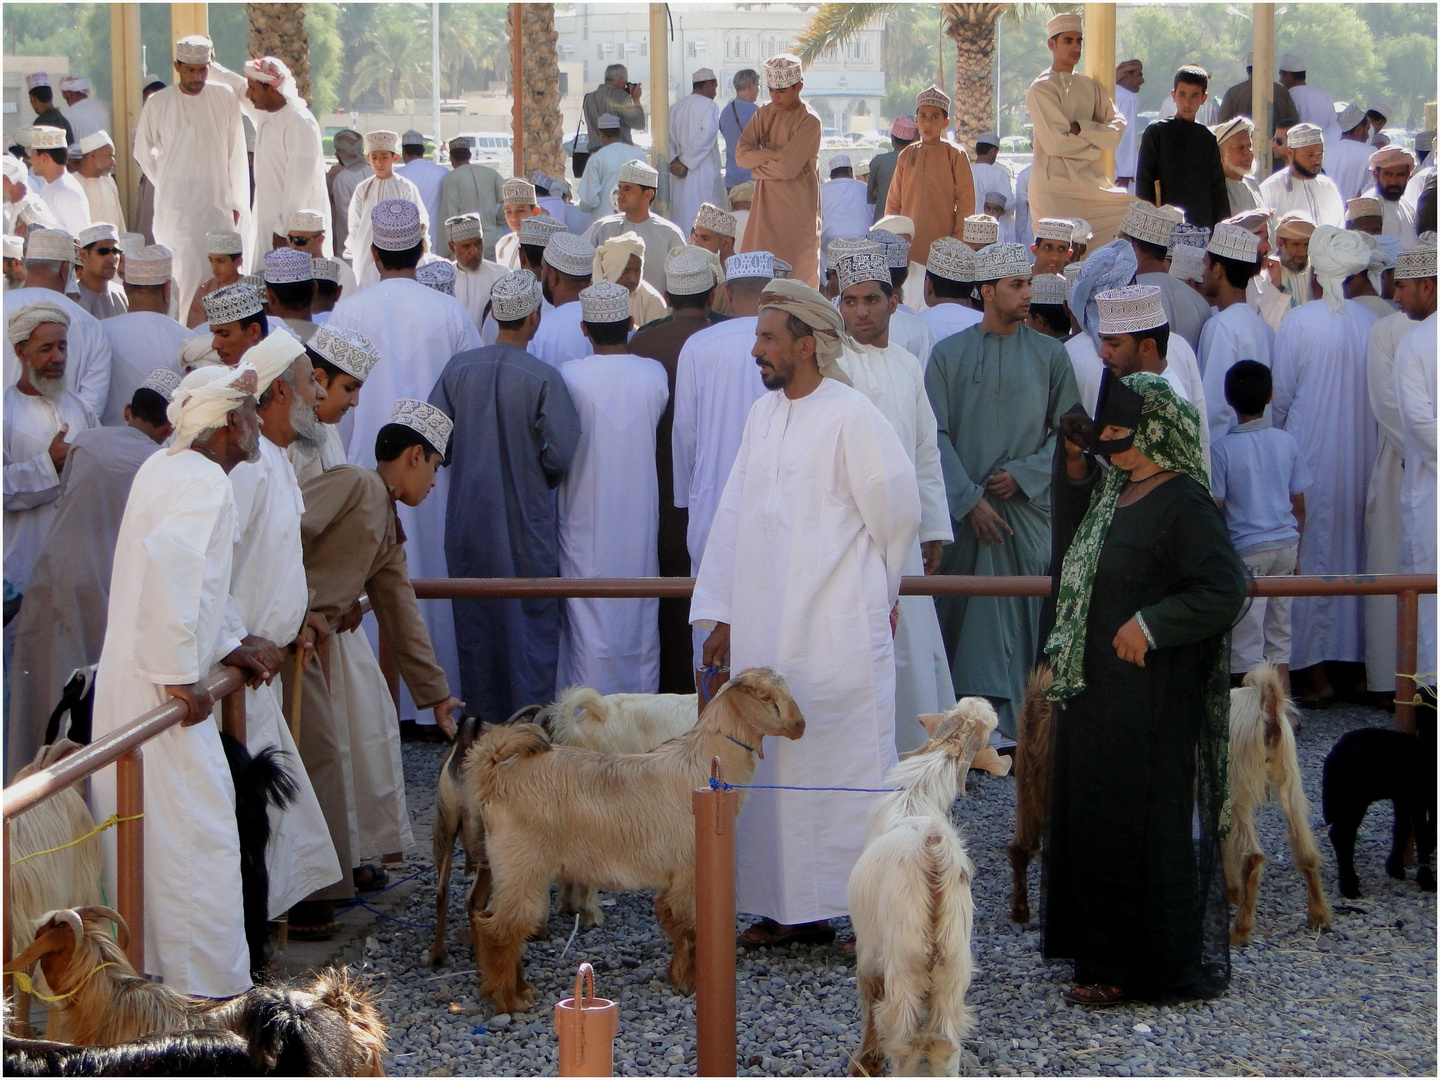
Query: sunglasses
[[301, 241], [107, 251]]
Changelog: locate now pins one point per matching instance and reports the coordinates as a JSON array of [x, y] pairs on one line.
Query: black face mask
[[1116, 406]]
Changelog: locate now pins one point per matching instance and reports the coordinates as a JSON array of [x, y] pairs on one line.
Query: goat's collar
[[737, 742]]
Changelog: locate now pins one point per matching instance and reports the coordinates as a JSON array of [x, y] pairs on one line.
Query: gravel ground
[[1357, 1000]]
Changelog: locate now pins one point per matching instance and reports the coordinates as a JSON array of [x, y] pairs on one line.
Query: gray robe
[[997, 401], [516, 432]]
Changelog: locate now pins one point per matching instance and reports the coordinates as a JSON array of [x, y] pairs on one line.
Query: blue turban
[[1110, 267]]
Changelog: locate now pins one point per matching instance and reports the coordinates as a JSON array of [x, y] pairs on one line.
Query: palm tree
[[397, 63], [539, 88], [279, 30], [970, 26]]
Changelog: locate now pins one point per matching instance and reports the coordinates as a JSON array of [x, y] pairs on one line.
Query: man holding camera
[[619, 97]]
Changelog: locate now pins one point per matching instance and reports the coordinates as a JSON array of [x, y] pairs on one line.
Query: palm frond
[[835, 24]]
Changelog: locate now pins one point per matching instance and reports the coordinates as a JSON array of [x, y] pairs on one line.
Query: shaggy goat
[[1372, 765], [324, 1025], [612, 821], [1032, 787], [910, 902], [1263, 767], [186, 1053], [617, 723], [455, 817]]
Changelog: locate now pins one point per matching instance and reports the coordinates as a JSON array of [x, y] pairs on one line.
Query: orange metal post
[[715, 812], [130, 851], [5, 897], [1407, 647]]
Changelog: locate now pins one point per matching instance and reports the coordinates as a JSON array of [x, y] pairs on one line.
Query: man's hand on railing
[[197, 701], [313, 634], [445, 715], [258, 659], [350, 621]]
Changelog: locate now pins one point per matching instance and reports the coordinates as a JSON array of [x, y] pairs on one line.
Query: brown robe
[[780, 149], [932, 186]]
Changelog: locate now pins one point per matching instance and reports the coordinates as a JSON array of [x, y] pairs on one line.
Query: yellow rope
[[27, 984], [1420, 684], [108, 823]]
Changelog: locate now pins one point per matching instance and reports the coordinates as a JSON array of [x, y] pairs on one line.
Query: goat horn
[[71, 918], [115, 917]]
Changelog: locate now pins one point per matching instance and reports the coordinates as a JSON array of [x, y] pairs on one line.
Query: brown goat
[[105, 1002], [613, 821], [1032, 787]]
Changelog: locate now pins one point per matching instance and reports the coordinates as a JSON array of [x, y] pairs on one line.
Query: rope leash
[[1419, 679], [721, 785], [108, 823], [27, 984]]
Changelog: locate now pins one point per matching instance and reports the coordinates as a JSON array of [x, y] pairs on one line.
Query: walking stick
[[297, 695]]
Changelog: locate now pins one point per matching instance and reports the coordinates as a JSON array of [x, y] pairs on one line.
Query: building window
[[644, 48], [564, 83]]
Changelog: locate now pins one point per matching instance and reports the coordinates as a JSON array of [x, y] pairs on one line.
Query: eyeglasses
[[107, 251], [301, 241]]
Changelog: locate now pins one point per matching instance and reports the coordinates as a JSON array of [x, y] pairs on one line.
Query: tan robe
[[780, 150], [1065, 178], [104, 198], [353, 545], [933, 187]]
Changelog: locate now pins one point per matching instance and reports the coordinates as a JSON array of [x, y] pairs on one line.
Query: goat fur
[[1263, 767], [610, 821], [326, 1024], [456, 817], [617, 723], [911, 907], [1032, 786]]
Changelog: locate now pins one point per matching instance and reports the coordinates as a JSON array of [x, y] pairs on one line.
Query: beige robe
[[104, 198], [1065, 178], [933, 187], [780, 149]]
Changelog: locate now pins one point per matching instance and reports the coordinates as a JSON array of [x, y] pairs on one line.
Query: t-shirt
[[1255, 469]]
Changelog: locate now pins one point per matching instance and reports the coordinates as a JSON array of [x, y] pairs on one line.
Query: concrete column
[[1099, 60], [660, 98], [1262, 85], [187, 19], [125, 85]]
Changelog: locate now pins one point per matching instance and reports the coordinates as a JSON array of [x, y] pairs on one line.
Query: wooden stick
[[297, 695]]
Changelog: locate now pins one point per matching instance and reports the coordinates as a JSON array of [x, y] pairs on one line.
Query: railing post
[[232, 714], [715, 810], [1407, 648], [130, 850], [22, 1018]]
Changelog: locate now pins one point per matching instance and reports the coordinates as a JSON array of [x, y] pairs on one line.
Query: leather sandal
[[1095, 994]]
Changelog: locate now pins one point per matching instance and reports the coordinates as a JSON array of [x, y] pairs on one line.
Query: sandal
[[312, 920], [767, 933], [370, 878], [1095, 994]]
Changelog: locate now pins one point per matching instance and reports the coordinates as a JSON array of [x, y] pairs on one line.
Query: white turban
[[613, 256], [204, 398], [1335, 255], [23, 323], [272, 357], [198, 351], [823, 318]]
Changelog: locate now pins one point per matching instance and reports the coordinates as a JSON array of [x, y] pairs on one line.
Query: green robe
[[992, 415]]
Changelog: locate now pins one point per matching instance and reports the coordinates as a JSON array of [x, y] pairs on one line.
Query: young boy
[[224, 248], [380, 152], [932, 186], [518, 197], [1259, 480], [1052, 245], [1180, 159], [342, 360], [353, 544]]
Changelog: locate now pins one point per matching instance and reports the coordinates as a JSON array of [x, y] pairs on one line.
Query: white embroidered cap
[[1054, 229], [571, 254], [1418, 261], [638, 172], [840, 161], [1291, 62], [94, 141], [1002, 261], [231, 303], [1234, 126], [933, 95], [349, 350], [518, 191], [45, 137], [464, 227], [515, 296], [702, 75], [1072, 271], [1130, 310], [995, 198], [395, 225], [1066, 22], [1304, 135], [607, 122], [850, 245], [163, 381], [194, 49], [783, 269], [853, 269], [716, 220], [1382, 108], [102, 230], [604, 302], [1083, 233], [1350, 117], [302, 221], [1187, 235], [382, 140], [1048, 289], [782, 71], [1359, 208], [688, 272], [1188, 263], [287, 265], [750, 264], [437, 274], [1150, 223], [980, 229], [896, 249], [14, 247], [951, 259], [536, 230], [152, 265], [49, 245], [222, 242], [36, 79], [1231, 241], [425, 418], [325, 269], [131, 242]]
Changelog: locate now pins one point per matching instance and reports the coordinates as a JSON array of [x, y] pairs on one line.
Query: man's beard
[[47, 387], [309, 429], [1303, 172], [1293, 264], [1392, 194]]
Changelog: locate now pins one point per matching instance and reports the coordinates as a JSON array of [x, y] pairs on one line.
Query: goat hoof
[[1425, 878], [1395, 868], [1239, 937], [438, 958], [590, 920], [1350, 891]]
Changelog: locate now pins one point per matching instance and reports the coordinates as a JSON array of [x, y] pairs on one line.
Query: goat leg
[[1395, 864], [1244, 925], [870, 1058], [1342, 839], [1020, 856]]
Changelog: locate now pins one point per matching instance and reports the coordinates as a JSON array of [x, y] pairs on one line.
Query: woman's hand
[[1130, 643]]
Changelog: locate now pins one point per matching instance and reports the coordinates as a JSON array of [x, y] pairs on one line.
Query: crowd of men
[[226, 426]]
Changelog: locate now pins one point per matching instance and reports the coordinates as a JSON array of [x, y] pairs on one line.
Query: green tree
[[398, 61], [325, 53]]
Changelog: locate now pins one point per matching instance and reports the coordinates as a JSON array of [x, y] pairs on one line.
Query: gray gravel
[[1357, 1000]]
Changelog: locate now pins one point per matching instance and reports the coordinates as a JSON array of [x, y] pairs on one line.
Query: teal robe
[[998, 402]]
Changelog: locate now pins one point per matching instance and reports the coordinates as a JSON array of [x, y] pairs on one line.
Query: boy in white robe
[[383, 185], [1235, 332], [802, 573], [609, 502]]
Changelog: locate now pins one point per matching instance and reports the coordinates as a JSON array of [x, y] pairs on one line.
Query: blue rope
[[721, 785]]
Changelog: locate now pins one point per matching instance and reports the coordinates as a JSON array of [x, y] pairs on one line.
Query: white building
[[844, 87]]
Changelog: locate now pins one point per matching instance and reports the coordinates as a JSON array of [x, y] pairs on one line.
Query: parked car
[[1015, 144], [488, 146]]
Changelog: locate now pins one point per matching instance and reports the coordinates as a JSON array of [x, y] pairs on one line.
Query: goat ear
[[931, 722], [51, 938], [994, 763]]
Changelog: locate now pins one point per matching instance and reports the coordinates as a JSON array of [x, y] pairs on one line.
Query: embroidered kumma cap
[[1002, 261], [349, 350], [952, 260], [515, 296], [425, 418], [604, 302], [1130, 310], [231, 304]]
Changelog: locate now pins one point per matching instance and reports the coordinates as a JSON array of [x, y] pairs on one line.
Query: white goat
[[910, 902], [617, 723], [1263, 767]]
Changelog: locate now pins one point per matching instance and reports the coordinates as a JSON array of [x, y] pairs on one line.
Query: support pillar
[[660, 92], [1099, 60], [125, 85], [188, 19], [1262, 85]]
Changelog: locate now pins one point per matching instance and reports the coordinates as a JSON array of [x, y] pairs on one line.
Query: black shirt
[[1184, 157]]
